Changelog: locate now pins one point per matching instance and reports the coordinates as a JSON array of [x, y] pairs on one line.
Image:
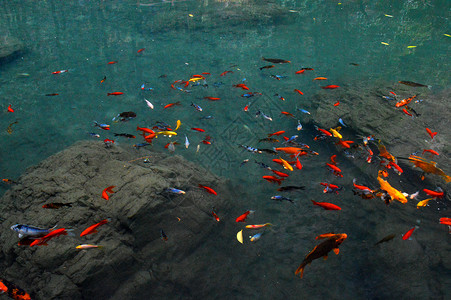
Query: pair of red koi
[[241, 85], [432, 134], [333, 166]]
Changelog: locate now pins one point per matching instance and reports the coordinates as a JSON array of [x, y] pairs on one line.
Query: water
[[82, 37]]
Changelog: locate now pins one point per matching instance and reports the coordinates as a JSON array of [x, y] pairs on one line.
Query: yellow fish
[[390, 16], [286, 165], [411, 47], [428, 167], [195, 79], [423, 203], [88, 246], [170, 133], [178, 124], [335, 132], [448, 35], [384, 43], [394, 193]]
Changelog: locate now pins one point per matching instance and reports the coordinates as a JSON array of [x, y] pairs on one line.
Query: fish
[[88, 246], [438, 193], [286, 165], [241, 85], [304, 111], [198, 129], [60, 72], [208, 189], [212, 98], [330, 188], [244, 216], [394, 193], [149, 104], [320, 78], [186, 142], [414, 84], [409, 233], [432, 134], [56, 205], [53, 94], [102, 126], [424, 203], [251, 149], [322, 250], [103, 80], [326, 205], [127, 135], [341, 122], [354, 64], [362, 188], [258, 226], [287, 114], [163, 235], [92, 229], [175, 191], [276, 133], [337, 103], [431, 151], [405, 101], [239, 236], [323, 131], [446, 221], [178, 125], [270, 140], [258, 113], [9, 129], [13, 291], [42, 241], [281, 198], [108, 190], [280, 97], [171, 147], [290, 188], [215, 215], [197, 107], [140, 50], [386, 239], [278, 77], [428, 167], [267, 67], [299, 127], [334, 168], [273, 179], [171, 104], [298, 91], [115, 94], [166, 132], [335, 132], [280, 174], [9, 109], [31, 231], [330, 87], [276, 60], [255, 237], [225, 73]]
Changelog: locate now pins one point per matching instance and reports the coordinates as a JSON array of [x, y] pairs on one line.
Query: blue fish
[[341, 122], [304, 111], [32, 231], [255, 237]]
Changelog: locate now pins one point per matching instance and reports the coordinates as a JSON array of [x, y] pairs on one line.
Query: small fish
[[386, 239], [276, 133], [251, 149], [171, 104], [127, 135], [108, 143], [304, 111], [278, 77], [115, 94], [141, 145], [243, 217], [50, 95], [255, 237], [244, 161], [341, 122], [10, 109], [92, 229], [198, 129], [280, 97], [171, 147], [208, 189], [163, 235], [320, 78], [326, 205], [298, 91], [389, 16], [60, 72], [281, 198], [56, 205], [276, 60], [258, 113], [354, 64], [330, 87], [432, 134], [186, 142], [267, 67], [10, 127], [140, 50], [409, 233], [258, 226], [150, 105], [299, 127], [384, 43], [197, 107], [212, 98], [106, 191], [215, 215], [225, 73], [102, 126], [414, 84], [103, 80], [175, 191], [88, 246], [178, 125], [290, 188]]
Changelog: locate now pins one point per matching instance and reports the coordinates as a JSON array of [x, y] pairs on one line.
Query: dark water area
[[364, 47]]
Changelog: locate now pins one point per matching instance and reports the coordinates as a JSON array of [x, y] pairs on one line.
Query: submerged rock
[[9, 48], [134, 256]]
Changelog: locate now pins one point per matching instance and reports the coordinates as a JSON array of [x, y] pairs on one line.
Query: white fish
[[299, 127], [148, 103], [186, 142], [198, 147]]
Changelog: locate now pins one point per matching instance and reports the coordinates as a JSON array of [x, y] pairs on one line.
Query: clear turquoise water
[[83, 36]]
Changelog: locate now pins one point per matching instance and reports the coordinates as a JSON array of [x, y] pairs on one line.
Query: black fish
[[290, 188], [267, 67], [127, 115], [353, 64], [127, 135], [276, 60], [414, 84], [268, 151], [386, 239], [264, 166], [164, 237]]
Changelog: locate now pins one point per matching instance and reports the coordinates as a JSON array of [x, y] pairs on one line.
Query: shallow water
[[82, 37]]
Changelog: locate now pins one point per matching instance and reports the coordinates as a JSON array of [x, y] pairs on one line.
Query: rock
[[9, 48], [134, 256]]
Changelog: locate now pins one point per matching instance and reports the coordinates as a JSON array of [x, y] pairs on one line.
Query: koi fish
[[290, 150], [53, 234], [144, 129], [405, 101], [286, 165], [255, 237], [438, 193], [445, 221], [362, 188], [424, 203], [243, 217], [9, 129], [88, 246], [266, 67], [334, 168], [50, 95], [225, 73], [30, 231], [56, 205], [60, 72], [276, 60], [198, 129], [186, 142], [13, 291], [430, 151], [273, 179], [409, 233], [276, 133], [258, 226], [281, 174], [108, 190], [386, 239], [251, 149], [212, 98], [208, 189], [281, 198], [175, 191], [258, 113], [330, 188], [298, 164], [150, 105], [414, 84], [140, 50], [432, 134], [298, 91], [102, 126], [326, 205], [323, 131], [428, 167], [335, 132], [320, 78], [322, 250], [166, 132], [10, 109], [171, 104], [197, 107], [394, 193], [103, 80], [330, 87], [92, 229], [114, 94]]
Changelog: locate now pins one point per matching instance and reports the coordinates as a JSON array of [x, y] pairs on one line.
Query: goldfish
[[320, 78], [330, 87], [290, 150], [276, 60], [92, 229], [43, 240], [394, 193], [384, 153], [88, 246], [438, 193], [405, 101], [335, 132], [428, 167], [337, 103], [144, 129], [331, 244], [330, 188], [446, 221], [10, 109], [276, 133], [409, 233], [13, 291], [241, 85], [424, 203], [171, 104], [178, 125], [208, 189], [273, 179], [169, 133], [298, 164], [225, 73], [323, 131], [212, 98], [431, 151], [243, 217], [278, 173], [198, 129], [299, 72], [112, 62], [286, 165], [103, 80], [432, 134], [140, 50], [326, 205], [258, 226], [56, 205], [362, 188], [108, 190], [298, 91], [334, 168], [114, 94]]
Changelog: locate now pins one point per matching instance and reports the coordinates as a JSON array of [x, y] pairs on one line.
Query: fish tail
[[429, 86], [300, 269]]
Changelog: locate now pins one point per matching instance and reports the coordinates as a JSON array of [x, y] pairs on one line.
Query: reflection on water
[[355, 43]]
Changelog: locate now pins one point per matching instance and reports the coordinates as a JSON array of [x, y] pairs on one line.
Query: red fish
[[298, 91], [298, 164], [337, 103], [300, 71], [326, 205], [198, 129], [144, 129], [273, 179], [141, 50], [405, 101], [212, 98], [408, 233], [243, 217], [330, 87], [431, 151], [241, 85], [171, 104], [114, 94], [333, 159], [10, 109], [288, 114], [446, 221], [344, 144], [324, 131], [108, 190], [281, 174], [406, 112], [334, 168], [225, 72], [208, 189], [246, 108], [439, 193], [276, 133], [112, 62], [432, 134], [59, 72], [215, 215], [92, 229], [43, 240]]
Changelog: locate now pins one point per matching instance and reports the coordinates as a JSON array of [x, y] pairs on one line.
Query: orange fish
[[408, 234], [298, 91], [322, 250], [298, 164], [320, 78], [243, 217], [334, 168], [278, 173], [171, 104], [144, 129], [141, 50], [446, 221], [330, 87], [107, 190], [212, 98], [215, 215], [92, 229], [10, 109], [439, 193], [290, 150], [112, 62], [324, 131], [287, 114], [300, 71], [431, 151], [208, 189], [337, 103], [405, 101], [273, 179], [241, 85], [432, 134], [326, 205], [428, 167], [114, 94], [344, 144], [225, 72], [276, 133], [198, 129], [43, 240]]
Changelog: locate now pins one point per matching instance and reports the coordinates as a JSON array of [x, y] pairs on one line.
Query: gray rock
[[9, 47]]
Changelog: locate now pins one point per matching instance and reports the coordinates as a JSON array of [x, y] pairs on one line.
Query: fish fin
[[336, 251], [20, 235], [325, 257], [300, 269]]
